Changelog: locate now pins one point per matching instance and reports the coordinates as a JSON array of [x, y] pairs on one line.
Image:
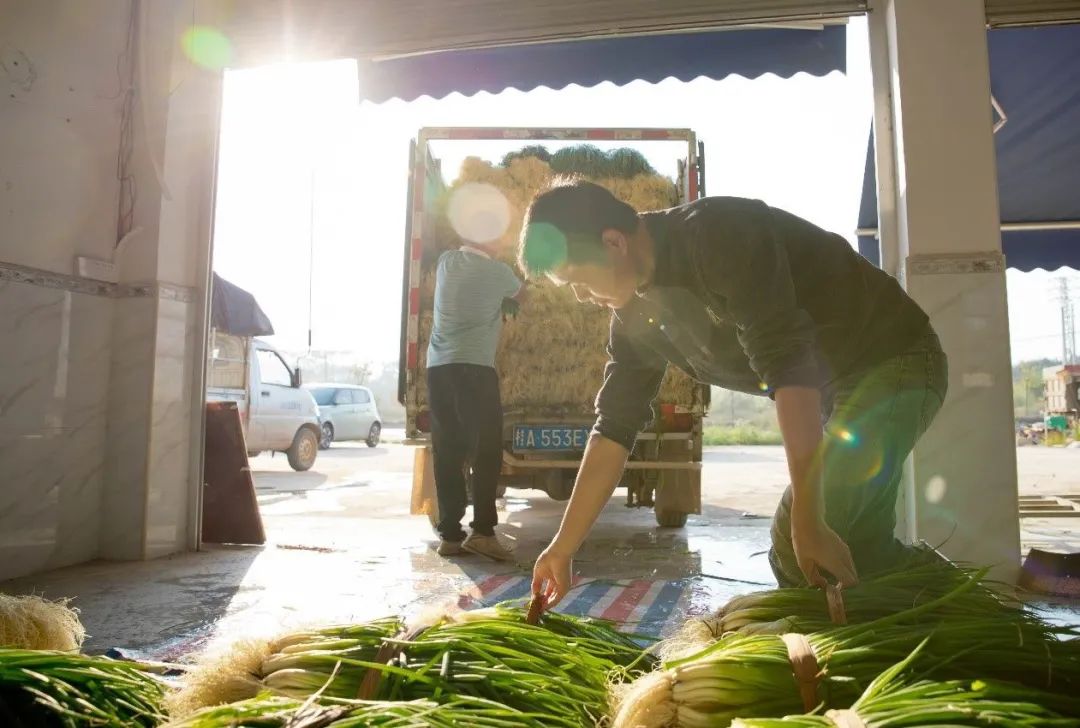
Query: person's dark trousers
[[466, 429], [872, 421]]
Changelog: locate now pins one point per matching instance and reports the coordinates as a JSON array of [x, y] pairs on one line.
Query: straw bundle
[[551, 357]]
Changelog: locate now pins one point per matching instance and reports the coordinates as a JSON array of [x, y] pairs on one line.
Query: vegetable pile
[[271, 712], [560, 668], [894, 700], [961, 634], [46, 689], [924, 646]]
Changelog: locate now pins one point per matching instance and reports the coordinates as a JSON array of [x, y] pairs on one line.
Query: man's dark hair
[[565, 223]]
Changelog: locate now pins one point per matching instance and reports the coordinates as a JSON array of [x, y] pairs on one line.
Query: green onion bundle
[[560, 667], [756, 675], [250, 667], [530, 668], [47, 689], [893, 702], [808, 609], [278, 712]]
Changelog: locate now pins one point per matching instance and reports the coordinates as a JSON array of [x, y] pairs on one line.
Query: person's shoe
[[449, 548], [488, 546]]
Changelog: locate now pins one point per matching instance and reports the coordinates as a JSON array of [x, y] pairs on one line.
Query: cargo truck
[[551, 356]]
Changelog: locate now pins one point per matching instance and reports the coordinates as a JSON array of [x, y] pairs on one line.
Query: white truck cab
[[277, 414]]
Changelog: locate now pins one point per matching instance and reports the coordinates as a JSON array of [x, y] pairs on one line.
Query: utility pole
[[311, 252], [1068, 322]]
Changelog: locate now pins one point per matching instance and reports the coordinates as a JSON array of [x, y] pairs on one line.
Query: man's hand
[[601, 469], [510, 307], [551, 576], [818, 548]]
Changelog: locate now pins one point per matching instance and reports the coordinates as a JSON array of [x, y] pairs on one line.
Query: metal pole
[[311, 251]]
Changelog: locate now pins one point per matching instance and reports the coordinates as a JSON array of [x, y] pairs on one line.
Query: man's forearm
[[601, 470], [798, 411]]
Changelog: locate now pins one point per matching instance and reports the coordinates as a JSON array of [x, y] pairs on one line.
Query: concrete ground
[[342, 546]]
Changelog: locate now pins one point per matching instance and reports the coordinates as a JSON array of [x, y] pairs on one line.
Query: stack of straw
[[551, 357]]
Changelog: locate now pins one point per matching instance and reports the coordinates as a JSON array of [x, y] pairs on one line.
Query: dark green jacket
[[750, 298]]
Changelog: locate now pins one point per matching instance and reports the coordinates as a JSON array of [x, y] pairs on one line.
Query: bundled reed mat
[[809, 609], [896, 700], [561, 667], [33, 623], [44, 689], [770, 675], [275, 712], [551, 358]]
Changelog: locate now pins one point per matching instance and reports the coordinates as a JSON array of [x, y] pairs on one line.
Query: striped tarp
[[648, 607]]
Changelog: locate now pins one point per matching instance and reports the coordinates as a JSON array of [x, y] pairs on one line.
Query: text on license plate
[[550, 437]]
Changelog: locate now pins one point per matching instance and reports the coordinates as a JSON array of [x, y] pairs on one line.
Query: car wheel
[[304, 450], [373, 435], [327, 436]]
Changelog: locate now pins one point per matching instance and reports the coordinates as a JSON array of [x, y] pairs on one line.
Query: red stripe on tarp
[[600, 134], [624, 604], [492, 583], [414, 300], [655, 134], [417, 248], [476, 593], [411, 355]]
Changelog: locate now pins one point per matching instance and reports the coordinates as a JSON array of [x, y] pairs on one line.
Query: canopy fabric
[[235, 311], [269, 31], [1033, 78], [620, 60]]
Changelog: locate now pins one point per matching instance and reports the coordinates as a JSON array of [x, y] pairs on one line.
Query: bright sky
[[302, 161]]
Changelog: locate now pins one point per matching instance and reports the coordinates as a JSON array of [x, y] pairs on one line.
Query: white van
[[278, 415]]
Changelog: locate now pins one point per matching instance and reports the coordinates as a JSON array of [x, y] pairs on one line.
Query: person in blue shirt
[[472, 291]]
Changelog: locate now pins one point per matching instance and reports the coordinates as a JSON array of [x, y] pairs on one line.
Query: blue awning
[[1034, 76], [620, 60]]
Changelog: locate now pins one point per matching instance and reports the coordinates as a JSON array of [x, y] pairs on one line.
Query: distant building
[[1061, 385]]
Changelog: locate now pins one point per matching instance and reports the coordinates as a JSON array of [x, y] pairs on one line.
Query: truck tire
[[559, 484], [670, 519], [304, 450]]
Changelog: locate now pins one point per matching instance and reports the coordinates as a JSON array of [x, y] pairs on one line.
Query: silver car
[[346, 412]]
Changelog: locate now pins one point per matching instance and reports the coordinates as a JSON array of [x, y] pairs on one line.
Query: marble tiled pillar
[[940, 235], [100, 405], [155, 399], [86, 404]]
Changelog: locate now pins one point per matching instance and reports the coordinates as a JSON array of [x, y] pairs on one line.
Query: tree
[[1028, 397]]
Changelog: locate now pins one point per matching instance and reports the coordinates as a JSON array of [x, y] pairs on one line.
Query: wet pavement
[[342, 546]]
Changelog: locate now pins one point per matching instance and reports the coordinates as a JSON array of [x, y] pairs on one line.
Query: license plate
[[550, 437]]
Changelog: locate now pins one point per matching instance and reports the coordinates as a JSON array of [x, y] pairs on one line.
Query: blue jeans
[[872, 421]]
